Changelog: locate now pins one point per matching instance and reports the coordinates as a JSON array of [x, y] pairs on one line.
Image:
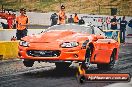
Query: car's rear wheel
[[111, 63], [62, 65], [28, 63]]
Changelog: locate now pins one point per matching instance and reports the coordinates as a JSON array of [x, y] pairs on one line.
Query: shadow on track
[[55, 73]]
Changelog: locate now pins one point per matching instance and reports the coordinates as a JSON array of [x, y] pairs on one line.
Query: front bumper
[[59, 54]]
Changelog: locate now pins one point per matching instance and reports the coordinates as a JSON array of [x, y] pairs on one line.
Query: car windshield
[[75, 28]]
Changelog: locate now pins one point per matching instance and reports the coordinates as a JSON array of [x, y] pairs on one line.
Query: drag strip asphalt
[[15, 74]]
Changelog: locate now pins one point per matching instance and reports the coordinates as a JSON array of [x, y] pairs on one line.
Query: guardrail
[[8, 49]]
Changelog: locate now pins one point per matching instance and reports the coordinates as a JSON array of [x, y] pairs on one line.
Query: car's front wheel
[[86, 62], [28, 63], [62, 65]]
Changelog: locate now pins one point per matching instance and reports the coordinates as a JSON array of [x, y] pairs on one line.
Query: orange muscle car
[[64, 44]]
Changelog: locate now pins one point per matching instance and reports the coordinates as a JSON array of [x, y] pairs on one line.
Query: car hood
[[54, 36]]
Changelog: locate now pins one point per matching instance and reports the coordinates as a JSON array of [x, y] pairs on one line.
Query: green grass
[[72, 6]]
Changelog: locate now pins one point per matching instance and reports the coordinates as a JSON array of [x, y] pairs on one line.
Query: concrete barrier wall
[[8, 50], [7, 34], [44, 19]]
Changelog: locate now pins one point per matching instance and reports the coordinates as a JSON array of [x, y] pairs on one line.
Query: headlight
[[69, 44], [24, 43]]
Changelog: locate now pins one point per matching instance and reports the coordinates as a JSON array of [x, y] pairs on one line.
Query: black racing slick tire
[[28, 63], [110, 65]]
